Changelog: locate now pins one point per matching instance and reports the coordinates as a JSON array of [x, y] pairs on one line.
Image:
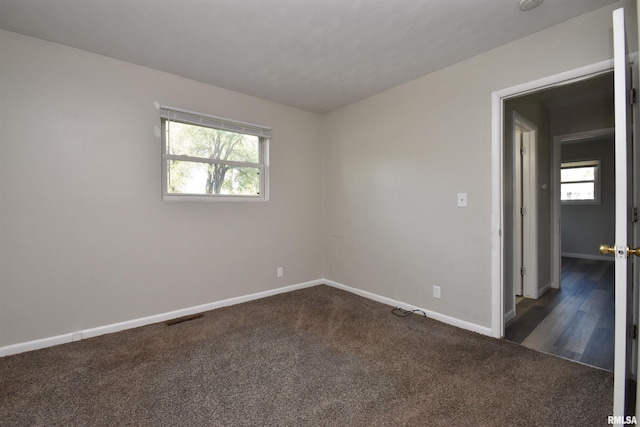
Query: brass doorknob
[[606, 249]]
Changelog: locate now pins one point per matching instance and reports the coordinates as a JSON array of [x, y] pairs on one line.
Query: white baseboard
[[143, 321], [588, 256], [509, 315], [431, 314], [36, 344], [135, 323], [544, 289]]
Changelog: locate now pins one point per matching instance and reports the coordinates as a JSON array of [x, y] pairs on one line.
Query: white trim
[[544, 289], [497, 200], [556, 80], [526, 165], [497, 207], [262, 166], [36, 344], [208, 198], [509, 315], [143, 321], [394, 303], [556, 215], [596, 164], [588, 256]]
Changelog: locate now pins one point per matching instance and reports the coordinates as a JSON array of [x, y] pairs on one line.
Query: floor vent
[[183, 319]]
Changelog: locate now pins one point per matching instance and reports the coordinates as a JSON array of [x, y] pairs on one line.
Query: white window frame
[[168, 114], [596, 181]]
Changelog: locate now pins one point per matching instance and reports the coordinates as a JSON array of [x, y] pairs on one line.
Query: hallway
[[575, 322]]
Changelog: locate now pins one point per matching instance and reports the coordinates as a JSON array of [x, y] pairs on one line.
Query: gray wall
[[86, 239], [584, 117], [585, 227], [394, 163]]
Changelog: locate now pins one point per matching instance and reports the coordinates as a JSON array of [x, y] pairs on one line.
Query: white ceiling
[[316, 55]]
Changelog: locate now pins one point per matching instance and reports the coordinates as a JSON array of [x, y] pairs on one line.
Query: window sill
[[209, 199], [580, 202]]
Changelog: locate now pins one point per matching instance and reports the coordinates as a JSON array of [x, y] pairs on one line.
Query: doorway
[[567, 304], [575, 319], [544, 319]]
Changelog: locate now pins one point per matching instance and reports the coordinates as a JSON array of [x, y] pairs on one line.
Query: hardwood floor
[[575, 322]]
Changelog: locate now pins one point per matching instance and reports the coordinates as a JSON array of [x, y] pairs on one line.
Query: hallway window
[[579, 182]]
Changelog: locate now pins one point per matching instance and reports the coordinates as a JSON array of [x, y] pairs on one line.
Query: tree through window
[[203, 160]]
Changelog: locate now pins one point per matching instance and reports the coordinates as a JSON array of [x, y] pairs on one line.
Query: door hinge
[[632, 96], [523, 211], [522, 150], [523, 271], [634, 332], [634, 215]]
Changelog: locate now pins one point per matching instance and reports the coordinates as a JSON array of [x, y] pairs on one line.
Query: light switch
[[462, 200]]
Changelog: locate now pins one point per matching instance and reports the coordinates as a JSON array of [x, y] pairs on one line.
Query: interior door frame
[[498, 99], [526, 224], [635, 232], [518, 284]]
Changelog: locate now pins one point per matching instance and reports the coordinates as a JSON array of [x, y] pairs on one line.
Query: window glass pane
[[204, 178], [197, 141], [578, 174], [577, 191]]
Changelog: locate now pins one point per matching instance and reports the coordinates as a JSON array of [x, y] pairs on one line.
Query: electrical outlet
[[279, 272], [436, 291], [462, 200]]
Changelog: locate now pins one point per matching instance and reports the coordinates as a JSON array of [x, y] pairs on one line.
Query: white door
[[622, 240]]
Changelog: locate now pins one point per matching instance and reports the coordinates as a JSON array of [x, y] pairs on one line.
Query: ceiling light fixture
[[529, 4]]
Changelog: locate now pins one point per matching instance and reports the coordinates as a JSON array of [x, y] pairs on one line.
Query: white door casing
[[497, 174], [622, 359], [525, 215], [517, 218]]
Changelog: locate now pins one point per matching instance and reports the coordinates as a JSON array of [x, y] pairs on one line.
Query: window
[[580, 182], [211, 158]]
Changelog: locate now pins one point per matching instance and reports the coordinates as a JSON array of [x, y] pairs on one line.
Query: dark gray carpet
[[317, 357]]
